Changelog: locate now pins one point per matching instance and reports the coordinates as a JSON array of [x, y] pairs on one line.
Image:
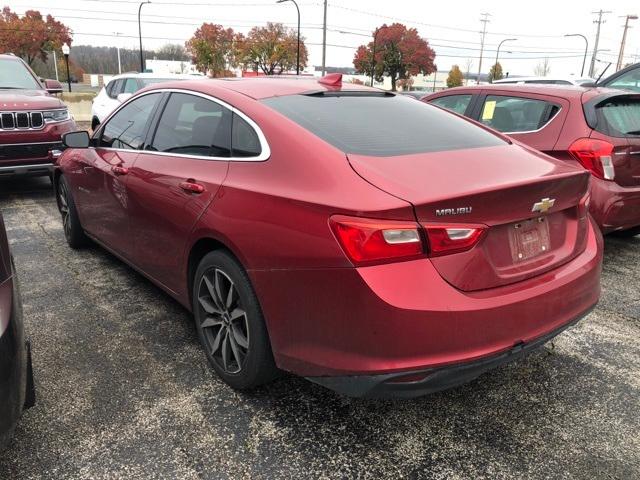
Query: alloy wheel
[[224, 321], [63, 205]]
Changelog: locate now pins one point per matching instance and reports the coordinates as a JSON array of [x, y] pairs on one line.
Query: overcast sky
[[451, 27]]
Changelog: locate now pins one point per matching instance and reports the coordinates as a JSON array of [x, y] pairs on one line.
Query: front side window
[[126, 128], [193, 125], [517, 114], [244, 142], [130, 86], [15, 75], [455, 103]]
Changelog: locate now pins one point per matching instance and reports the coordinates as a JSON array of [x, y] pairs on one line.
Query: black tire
[[73, 231], [223, 331], [632, 232]]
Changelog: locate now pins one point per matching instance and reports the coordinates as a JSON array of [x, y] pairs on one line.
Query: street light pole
[[66, 51], [140, 35], [495, 65], [298, 53], [586, 49]]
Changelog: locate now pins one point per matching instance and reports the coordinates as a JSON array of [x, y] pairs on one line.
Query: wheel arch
[[201, 247]]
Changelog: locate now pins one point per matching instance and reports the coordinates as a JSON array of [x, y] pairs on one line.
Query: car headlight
[[56, 115]]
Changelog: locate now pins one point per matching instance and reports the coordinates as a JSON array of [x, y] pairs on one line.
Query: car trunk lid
[[499, 187]]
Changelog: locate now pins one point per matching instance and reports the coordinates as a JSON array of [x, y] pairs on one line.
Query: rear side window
[[116, 88], [193, 125], [244, 141], [455, 103], [379, 124], [619, 118], [517, 114]]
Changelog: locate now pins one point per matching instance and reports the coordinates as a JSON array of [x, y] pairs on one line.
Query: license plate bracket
[[529, 239]]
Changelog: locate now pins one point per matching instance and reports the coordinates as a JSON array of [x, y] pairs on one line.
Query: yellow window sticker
[[489, 108]]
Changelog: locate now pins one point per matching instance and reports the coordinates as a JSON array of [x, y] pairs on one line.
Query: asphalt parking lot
[[125, 392]]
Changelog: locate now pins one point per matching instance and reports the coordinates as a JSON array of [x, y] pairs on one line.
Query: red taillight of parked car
[[367, 241], [371, 241], [594, 155], [449, 239]]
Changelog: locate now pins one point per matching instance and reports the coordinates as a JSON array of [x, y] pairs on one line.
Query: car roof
[[168, 76], [263, 87], [564, 91], [528, 79]]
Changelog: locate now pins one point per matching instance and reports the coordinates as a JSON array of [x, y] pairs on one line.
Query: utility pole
[[324, 40], [117, 34], [599, 21], [624, 40], [484, 20]]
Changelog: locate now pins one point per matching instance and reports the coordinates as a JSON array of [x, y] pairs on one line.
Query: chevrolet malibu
[[373, 244]]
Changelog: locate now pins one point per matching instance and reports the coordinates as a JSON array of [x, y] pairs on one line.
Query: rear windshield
[[381, 125], [619, 118]]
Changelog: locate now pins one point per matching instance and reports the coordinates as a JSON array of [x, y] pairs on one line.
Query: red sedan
[[369, 242], [597, 129]]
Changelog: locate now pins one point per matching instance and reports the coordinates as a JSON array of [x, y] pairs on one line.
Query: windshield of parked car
[[627, 81], [381, 125], [13, 74]]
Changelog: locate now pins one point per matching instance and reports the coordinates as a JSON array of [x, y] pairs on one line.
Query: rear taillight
[[368, 241], [448, 239], [595, 156]]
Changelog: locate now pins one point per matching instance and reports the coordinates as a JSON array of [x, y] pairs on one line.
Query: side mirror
[[123, 97], [79, 139], [53, 86]]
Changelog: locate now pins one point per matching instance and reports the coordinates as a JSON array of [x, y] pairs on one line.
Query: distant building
[[174, 67]]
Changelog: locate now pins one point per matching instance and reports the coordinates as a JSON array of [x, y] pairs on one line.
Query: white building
[[165, 67]]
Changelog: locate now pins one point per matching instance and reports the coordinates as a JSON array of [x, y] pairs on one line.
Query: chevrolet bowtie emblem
[[544, 205]]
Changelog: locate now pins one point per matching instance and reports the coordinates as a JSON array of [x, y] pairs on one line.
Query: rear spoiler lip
[[590, 106]]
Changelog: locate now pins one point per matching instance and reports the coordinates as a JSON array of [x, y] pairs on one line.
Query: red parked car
[[32, 120], [597, 129], [367, 241], [16, 375]]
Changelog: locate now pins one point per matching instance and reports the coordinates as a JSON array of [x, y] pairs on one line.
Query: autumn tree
[[455, 77], [495, 72], [212, 49], [272, 49], [399, 54], [31, 36], [173, 51]]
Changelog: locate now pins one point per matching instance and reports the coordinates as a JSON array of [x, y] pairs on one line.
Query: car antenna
[[603, 72]]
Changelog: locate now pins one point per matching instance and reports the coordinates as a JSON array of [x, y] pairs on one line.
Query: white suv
[[121, 87]]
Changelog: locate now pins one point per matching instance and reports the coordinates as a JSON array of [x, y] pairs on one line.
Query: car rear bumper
[[420, 382], [403, 318], [614, 207]]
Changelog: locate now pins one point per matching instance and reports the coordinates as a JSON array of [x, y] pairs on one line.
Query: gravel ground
[[125, 392]]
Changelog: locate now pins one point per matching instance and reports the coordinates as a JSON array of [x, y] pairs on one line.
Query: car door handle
[[191, 186], [119, 170]]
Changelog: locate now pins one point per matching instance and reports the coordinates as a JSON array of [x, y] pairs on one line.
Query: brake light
[[449, 239], [367, 241], [595, 156]]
